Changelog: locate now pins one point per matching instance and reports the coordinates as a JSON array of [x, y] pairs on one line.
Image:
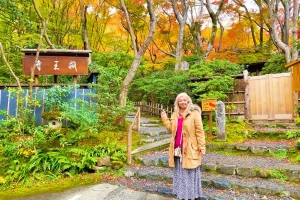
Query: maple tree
[[138, 50]]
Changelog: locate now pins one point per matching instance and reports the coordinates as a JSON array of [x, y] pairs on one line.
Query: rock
[[263, 173], [209, 167], [259, 150], [242, 147], [103, 161], [129, 173], [150, 162], [117, 164], [98, 169], [246, 172], [221, 184], [293, 175], [227, 169]]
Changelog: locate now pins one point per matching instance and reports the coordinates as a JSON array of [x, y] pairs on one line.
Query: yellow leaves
[[2, 180]]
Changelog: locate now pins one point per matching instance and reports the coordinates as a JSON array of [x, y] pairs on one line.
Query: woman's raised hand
[[163, 113]]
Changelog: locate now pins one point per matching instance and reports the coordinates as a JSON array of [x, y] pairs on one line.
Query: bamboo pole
[[138, 119], [129, 144]]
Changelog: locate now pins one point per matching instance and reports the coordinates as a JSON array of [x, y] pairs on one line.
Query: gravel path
[[242, 161]]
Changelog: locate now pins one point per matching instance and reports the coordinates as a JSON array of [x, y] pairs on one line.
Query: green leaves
[[214, 78], [275, 65], [160, 87]]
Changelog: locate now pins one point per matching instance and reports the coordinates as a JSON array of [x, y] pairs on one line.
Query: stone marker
[[221, 121]]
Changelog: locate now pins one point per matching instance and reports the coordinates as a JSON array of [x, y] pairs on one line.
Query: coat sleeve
[[199, 131], [166, 122]]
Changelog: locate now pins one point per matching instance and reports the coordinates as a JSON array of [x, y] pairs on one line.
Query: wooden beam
[[292, 63]]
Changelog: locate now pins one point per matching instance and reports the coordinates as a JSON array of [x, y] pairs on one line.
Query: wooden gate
[[271, 97]]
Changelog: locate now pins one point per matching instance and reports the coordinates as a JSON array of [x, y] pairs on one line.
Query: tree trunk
[[221, 35], [45, 35], [213, 17], [295, 19], [181, 17], [137, 56], [84, 36], [273, 31]]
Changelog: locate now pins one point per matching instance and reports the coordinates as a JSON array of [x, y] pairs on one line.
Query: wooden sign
[[56, 62], [208, 104], [296, 74]]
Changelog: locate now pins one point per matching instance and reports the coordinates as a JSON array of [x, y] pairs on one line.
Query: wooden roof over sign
[[292, 63], [61, 52], [295, 73]]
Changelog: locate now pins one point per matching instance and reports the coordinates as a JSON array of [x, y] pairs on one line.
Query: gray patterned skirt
[[186, 182]]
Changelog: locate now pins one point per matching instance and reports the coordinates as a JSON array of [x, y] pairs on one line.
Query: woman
[[186, 127]]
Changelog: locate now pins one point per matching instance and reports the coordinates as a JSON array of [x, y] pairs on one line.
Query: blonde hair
[[185, 95]]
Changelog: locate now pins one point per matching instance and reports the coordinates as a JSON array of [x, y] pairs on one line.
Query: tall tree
[[181, 17], [248, 16], [283, 43], [138, 51], [214, 18]]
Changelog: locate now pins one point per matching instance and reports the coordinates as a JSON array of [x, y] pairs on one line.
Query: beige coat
[[193, 137]]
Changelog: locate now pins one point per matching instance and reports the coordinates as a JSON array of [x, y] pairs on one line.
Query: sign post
[[209, 105]]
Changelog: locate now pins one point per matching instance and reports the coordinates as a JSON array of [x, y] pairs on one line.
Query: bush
[[159, 87], [298, 144], [275, 65], [219, 81]]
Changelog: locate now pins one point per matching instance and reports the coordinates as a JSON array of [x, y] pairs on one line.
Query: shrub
[[292, 134], [275, 65], [298, 144], [218, 74]]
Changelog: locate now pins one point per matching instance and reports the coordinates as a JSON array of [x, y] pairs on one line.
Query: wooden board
[[296, 77], [271, 97], [208, 104], [56, 65]]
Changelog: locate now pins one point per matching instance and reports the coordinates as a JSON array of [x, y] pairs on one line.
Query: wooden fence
[[153, 109], [268, 97], [236, 98], [8, 102], [271, 97]]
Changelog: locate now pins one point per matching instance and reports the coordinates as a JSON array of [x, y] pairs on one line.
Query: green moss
[[278, 174], [49, 186], [246, 58], [51, 115]]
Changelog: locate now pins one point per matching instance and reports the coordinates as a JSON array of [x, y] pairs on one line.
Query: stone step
[[152, 145], [222, 182], [144, 120], [164, 187], [250, 147], [239, 166], [154, 131], [149, 139], [150, 125]]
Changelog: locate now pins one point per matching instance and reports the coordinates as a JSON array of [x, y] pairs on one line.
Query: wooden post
[[55, 77], [296, 97], [36, 80], [138, 119], [247, 100], [210, 122], [75, 79], [129, 144]]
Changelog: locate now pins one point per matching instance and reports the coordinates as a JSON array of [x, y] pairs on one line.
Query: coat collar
[[190, 108]]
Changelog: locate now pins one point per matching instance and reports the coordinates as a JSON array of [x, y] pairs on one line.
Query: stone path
[[104, 191], [252, 176]]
